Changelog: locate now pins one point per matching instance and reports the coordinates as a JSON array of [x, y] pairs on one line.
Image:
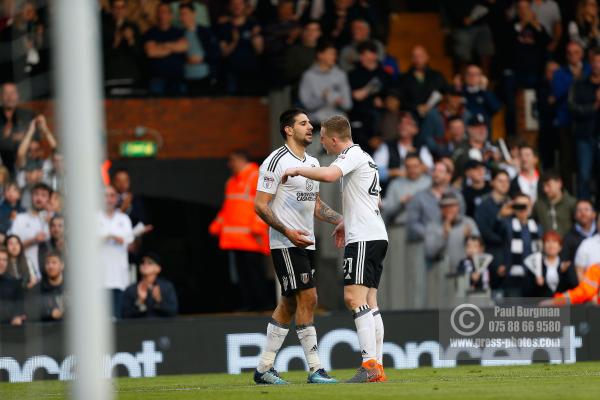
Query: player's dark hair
[[288, 118]]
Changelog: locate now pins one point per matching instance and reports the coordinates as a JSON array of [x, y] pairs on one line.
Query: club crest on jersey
[[304, 278], [268, 182], [285, 283], [310, 185]]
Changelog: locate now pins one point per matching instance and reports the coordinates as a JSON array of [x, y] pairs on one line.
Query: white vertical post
[[80, 123]]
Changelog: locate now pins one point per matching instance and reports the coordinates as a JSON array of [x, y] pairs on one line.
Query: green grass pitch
[[538, 381]]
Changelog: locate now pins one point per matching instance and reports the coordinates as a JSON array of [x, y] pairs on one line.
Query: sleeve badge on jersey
[[309, 185], [268, 182]]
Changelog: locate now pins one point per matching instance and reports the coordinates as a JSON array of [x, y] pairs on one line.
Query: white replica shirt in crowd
[[26, 226], [360, 196], [294, 200], [113, 256], [588, 252]]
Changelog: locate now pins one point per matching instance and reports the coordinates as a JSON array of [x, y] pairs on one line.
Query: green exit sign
[[138, 148]]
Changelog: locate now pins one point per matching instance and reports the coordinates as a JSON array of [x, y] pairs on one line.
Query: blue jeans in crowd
[[587, 153]]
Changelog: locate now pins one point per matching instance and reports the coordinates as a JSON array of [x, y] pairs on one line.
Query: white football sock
[[308, 339], [365, 328], [378, 334], [276, 334]]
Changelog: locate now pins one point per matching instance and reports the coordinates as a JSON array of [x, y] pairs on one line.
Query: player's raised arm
[[263, 209], [321, 174], [326, 213]]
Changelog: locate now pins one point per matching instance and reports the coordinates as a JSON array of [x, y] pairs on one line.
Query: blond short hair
[[339, 126]]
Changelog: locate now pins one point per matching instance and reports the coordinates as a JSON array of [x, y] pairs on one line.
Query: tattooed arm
[[263, 209], [326, 213]]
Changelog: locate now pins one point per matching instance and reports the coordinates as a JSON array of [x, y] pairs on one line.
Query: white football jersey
[[294, 200], [360, 196]]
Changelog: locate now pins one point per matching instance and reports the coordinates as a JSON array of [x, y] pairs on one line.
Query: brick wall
[[190, 128]]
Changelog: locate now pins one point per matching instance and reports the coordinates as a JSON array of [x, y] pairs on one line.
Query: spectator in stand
[[5, 179], [133, 206], [547, 13], [14, 122], [32, 175], [31, 149], [445, 238], [123, 54], [422, 89], [426, 273], [337, 20], [475, 250], [279, 36], [242, 233], [527, 180], [402, 189], [522, 239], [489, 216], [56, 243], [117, 234], [557, 276], [165, 47], [152, 296], [455, 137], [324, 89], [476, 147], [584, 227], [526, 59], [424, 207], [476, 186], [56, 176], [10, 207], [11, 295], [20, 266], [562, 81], [32, 226], [202, 53], [584, 106], [554, 210], [470, 32], [530, 41], [478, 99], [143, 13], [390, 118], [585, 29], [241, 44], [390, 156], [361, 33], [587, 253], [30, 49], [53, 299], [300, 56], [199, 9], [453, 106], [548, 139], [368, 81]]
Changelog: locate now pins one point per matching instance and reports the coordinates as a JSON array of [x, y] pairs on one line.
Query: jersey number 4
[[374, 188]]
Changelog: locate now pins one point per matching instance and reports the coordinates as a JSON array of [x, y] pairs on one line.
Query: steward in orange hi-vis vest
[[237, 225], [587, 290]]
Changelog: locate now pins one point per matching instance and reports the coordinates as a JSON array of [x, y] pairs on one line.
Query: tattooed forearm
[[270, 218], [326, 213]]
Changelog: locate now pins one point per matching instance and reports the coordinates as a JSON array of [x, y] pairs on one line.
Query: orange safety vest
[[585, 291], [237, 225]]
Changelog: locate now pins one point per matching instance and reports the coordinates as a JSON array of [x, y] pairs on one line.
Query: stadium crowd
[[509, 218]]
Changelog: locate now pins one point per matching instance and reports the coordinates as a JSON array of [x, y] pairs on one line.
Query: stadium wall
[[232, 344]]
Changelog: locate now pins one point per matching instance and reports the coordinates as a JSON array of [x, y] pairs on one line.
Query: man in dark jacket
[[555, 209], [584, 103], [585, 227], [151, 296], [11, 294], [490, 217]]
